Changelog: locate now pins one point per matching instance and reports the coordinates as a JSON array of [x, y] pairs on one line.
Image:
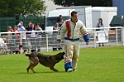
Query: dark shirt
[[59, 20]]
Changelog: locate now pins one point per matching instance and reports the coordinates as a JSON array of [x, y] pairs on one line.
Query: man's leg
[[75, 55], [68, 57]]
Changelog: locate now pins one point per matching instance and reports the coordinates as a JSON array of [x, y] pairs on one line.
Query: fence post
[[94, 38], [122, 36], [20, 38], [116, 36], [47, 42]]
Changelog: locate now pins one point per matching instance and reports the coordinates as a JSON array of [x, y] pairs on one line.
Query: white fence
[[48, 42]]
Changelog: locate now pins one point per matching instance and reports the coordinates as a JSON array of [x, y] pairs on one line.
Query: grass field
[[94, 65]]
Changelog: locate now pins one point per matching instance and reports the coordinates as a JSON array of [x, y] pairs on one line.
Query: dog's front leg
[[52, 68]]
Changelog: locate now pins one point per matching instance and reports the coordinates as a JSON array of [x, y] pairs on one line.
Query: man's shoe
[[70, 70]]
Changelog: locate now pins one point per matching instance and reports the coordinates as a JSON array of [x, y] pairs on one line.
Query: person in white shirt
[[22, 32]]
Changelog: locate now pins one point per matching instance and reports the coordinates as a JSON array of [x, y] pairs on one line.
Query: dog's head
[[59, 56], [33, 54]]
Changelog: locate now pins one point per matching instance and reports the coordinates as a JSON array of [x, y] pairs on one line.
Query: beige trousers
[[72, 49]]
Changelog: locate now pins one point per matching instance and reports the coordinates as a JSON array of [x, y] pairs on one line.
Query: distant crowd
[[20, 28], [19, 32]]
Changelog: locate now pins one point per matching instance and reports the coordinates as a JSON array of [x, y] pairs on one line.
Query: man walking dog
[[70, 31]]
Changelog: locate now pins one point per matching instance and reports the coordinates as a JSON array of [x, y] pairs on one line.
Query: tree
[[21, 7], [83, 2]]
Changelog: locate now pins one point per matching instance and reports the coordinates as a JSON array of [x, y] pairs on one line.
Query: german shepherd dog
[[46, 60]]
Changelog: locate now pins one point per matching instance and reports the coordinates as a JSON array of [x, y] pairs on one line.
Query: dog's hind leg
[[52, 68]]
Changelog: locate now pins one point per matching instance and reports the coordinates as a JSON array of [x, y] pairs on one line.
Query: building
[[120, 5]]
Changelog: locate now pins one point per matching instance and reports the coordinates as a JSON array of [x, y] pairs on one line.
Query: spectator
[[22, 31], [17, 34], [22, 24], [38, 35], [38, 28], [29, 26], [33, 30], [32, 36], [3, 46], [9, 35], [59, 22], [99, 25]]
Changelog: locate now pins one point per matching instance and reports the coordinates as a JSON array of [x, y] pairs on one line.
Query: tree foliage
[[83, 2], [21, 7]]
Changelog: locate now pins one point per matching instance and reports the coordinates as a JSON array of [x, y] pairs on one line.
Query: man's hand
[[58, 40], [87, 43]]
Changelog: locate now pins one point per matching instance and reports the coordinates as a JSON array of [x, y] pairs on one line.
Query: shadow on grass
[[44, 72]]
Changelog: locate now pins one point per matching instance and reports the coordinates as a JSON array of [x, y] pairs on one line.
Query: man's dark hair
[[73, 12], [60, 15]]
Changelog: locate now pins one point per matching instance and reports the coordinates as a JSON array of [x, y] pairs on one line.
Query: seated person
[[3, 46], [59, 21]]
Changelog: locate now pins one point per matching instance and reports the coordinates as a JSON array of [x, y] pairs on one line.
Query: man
[[71, 30], [22, 31]]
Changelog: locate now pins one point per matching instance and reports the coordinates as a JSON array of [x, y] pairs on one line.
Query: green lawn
[[94, 65]]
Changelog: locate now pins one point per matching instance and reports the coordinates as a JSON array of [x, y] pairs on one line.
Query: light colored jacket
[[73, 32]]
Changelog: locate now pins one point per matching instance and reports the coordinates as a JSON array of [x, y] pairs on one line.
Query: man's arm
[[84, 34]]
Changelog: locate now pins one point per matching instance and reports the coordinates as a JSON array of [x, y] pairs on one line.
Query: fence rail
[[48, 42]]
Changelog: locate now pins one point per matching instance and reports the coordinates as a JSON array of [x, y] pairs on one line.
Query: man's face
[[75, 17]]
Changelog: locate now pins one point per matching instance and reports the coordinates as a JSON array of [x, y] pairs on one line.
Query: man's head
[[60, 16], [10, 28], [19, 25], [74, 16]]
